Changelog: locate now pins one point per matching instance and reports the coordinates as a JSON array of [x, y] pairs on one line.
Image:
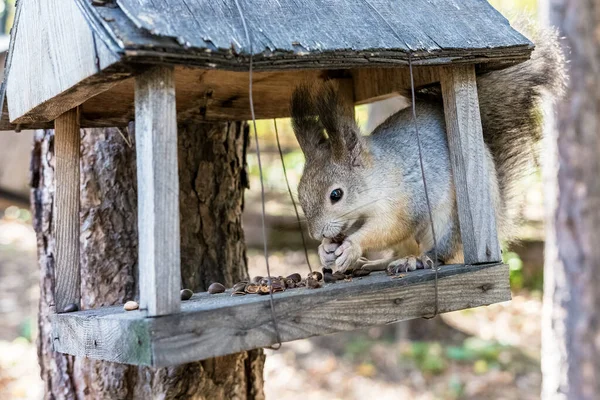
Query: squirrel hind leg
[[410, 263]]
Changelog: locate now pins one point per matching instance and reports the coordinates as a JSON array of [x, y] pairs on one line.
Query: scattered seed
[[252, 288], [256, 279], [186, 294], [316, 275], [328, 278], [339, 276], [240, 286], [263, 289], [295, 277], [278, 286], [290, 283], [216, 288], [313, 283], [360, 272], [238, 293], [72, 307], [131, 305]]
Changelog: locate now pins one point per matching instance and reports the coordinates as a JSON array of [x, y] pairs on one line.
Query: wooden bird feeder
[[104, 63]]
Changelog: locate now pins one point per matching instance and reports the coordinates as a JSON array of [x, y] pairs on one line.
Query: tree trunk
[[212, 182], [571, 331]]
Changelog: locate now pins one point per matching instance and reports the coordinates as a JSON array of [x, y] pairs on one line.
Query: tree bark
[[571, 327], [212, 182]]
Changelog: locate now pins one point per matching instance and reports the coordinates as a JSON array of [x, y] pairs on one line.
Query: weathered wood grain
[[158, 191], [84, 49], [67, 274], [106, 339], [57, 68], [470, 166], [373, 84], [312, 32], [216, 325]]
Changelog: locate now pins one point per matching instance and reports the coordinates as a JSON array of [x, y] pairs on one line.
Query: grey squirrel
[[365, 193]]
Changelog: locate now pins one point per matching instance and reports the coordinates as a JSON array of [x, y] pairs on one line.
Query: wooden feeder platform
[[104, 63], [211, 325]]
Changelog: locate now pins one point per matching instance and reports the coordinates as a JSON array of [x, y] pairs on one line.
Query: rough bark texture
[[212, 181], [571, 335]]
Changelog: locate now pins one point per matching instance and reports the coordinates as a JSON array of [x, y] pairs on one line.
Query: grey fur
[[384, 199]]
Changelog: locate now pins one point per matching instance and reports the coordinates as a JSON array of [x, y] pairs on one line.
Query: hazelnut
[[278, 286], [252, 288], [360, 272], [131, 305], [316, 275], [290, 283], [312, 283], [216, 288], [186, 294], [339, 276], [72, 307], [264, 289], [295, 277]]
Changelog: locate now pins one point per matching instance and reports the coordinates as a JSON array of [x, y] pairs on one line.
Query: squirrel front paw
[[326, 252], [409, 263], [347, 255]]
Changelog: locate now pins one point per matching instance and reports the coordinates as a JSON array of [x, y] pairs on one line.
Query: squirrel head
[[331, 189]]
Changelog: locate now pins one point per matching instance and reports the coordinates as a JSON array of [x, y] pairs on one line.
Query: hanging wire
[[287, 182], [414, 117], [262, 185]]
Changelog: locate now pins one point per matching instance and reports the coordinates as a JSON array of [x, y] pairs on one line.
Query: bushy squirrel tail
[[510, 105]]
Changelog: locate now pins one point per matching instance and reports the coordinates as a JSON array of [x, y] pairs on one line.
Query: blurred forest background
[[485, 353]]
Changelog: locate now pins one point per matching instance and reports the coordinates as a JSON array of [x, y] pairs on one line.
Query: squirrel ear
[[347, 143], [309, 132]]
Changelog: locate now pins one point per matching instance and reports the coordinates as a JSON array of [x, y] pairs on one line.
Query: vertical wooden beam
[[476, 213], [158, 191], [67, 273]]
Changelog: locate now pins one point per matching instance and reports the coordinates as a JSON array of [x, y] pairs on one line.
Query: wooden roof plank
[[298, 28], [50, 62]]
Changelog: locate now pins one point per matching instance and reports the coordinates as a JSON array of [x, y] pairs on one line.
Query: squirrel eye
[[336, 195]]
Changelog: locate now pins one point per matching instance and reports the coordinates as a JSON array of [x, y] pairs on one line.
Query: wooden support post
[[66, 227], [476, 213], [158, 191]]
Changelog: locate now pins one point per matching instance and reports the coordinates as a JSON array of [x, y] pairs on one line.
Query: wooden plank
[[158, 191], [215, 325], [472, 166], [374, 84], [104, 339], [57, 62], [66, 210], [85, 50], [319, 31]]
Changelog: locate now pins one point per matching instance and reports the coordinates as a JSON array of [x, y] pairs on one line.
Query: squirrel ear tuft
[[307, 128], [347, 143]]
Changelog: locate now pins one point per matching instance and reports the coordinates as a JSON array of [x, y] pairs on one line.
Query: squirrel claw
[[410, 263]]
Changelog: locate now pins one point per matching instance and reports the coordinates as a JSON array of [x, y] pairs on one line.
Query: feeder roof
[[292, 34], [65, 52]]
